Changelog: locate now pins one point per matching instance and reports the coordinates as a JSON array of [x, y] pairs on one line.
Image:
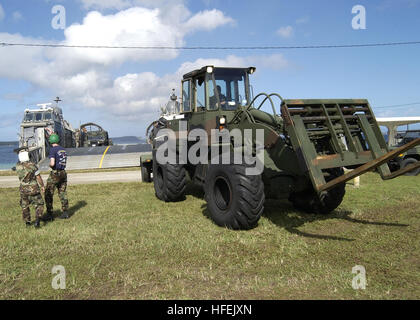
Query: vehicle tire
[[169, 181], [159, 181], [234, 200], [176, 181], [407, 162], [308, 201], [145, 175]]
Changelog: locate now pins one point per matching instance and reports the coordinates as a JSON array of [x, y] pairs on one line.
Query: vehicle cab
[[212, 89], [213, 92]]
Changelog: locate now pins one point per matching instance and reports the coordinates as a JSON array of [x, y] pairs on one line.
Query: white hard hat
[[23, 156]]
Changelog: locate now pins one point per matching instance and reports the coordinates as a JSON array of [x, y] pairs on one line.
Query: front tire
[[169, 181], [234, 200]]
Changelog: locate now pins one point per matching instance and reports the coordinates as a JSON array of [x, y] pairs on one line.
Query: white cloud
[[124, 4], [207, 20], [131, 27], [285, 32], [83, 76], [144, 93], [133, 96], [2, 14]]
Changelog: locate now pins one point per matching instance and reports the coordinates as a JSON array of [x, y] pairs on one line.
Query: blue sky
[[122, 91]]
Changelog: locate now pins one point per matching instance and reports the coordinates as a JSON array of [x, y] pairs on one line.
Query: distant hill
[[128, 140], [9, 143]]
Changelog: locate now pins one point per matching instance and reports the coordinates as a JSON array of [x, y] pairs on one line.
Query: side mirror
[[14, 169]]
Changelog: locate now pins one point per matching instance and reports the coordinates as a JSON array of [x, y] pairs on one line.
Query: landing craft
[[38, 124], [88, 147]]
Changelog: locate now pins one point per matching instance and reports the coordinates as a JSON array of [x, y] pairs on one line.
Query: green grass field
[[123, 243]]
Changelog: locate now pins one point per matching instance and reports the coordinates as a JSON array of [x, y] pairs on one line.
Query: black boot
[[65, 215], [48, 217], [37, 224], [28, 223]]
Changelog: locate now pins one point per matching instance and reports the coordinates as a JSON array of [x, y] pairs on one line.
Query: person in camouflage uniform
[[57, 178], [30, 188]]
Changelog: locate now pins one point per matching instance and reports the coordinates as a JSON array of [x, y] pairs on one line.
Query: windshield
[[37, 116], [94, 136], [28, 117], [231, 88]]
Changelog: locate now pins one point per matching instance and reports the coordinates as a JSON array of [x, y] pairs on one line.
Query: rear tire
[[169, 181], [234, 200], [406, 163], [308, 201]]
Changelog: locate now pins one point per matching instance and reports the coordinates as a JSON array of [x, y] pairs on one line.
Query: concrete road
[[83, 178], [95, 159]]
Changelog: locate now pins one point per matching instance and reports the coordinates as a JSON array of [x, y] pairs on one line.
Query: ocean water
[[8, 158]]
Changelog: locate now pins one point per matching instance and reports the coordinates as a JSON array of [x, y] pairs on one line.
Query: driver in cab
[[213, 99]]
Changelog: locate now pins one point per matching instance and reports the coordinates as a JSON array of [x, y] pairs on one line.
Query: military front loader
[[306, 146]]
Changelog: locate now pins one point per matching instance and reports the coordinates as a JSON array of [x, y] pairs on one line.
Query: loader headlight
[[222, 120], [209, 69]]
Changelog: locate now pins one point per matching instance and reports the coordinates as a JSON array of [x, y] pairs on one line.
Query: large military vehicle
[[306, 146], [38, 124], [92, 135]]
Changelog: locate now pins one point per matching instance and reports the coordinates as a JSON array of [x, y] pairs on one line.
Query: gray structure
[[38, 124]]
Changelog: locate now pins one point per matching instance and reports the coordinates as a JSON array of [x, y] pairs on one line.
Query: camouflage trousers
[[57, 179], [36, 200]]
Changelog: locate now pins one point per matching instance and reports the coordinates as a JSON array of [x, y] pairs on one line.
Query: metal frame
[[308, 120]]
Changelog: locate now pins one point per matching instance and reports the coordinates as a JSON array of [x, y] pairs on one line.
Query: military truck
[[409, 157], [38, 123], [306, 145], [92, 135]]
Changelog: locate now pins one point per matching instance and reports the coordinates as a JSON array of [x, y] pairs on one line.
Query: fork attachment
[[338, 133]]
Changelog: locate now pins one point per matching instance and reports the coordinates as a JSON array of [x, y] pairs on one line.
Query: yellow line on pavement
[[103, 156]]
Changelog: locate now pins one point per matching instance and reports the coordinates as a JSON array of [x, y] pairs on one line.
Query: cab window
[[231, 88], [200, 89], [186, 96], [212, 97]]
